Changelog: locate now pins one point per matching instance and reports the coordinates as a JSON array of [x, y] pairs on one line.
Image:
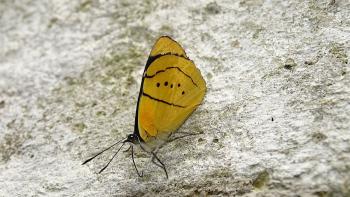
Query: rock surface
[[275, 120]]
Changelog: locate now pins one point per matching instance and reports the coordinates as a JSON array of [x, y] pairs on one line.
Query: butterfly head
[[132, 138]]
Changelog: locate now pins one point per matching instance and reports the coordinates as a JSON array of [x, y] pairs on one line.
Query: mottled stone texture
[[275, 121]]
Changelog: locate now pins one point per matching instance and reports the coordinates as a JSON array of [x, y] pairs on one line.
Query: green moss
[[80, 104], [321, 193], [130, 80], [309, 62], [261, 180], [338, 51], [101, 113], [94, 103], [257, 33], [220, 173], [212, 8], [69, 119], [209, 76], [52, 22], [84, 6], [10, 144], [74, 81], [79, 127]]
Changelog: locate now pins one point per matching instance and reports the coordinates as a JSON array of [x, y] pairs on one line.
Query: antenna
[[88, 160], [115, 154]]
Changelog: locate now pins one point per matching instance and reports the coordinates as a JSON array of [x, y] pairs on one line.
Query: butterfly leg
[[133, 161], [155, 157], [155, 162], [160, 164]]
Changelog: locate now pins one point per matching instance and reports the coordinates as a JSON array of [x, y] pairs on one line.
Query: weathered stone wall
[[275, 120]]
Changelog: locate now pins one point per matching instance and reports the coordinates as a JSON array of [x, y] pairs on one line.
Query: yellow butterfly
[[171, 89]]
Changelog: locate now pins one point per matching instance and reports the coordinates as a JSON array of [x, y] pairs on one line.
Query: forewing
[[165, 45], [173, 87]]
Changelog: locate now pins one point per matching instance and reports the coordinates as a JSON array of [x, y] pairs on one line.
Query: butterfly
[[172, 87]]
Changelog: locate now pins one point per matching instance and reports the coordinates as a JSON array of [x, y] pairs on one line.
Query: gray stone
[[275, 120]]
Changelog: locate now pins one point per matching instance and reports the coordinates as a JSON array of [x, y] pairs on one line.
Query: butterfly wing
[[165, 45], [172, 88]]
